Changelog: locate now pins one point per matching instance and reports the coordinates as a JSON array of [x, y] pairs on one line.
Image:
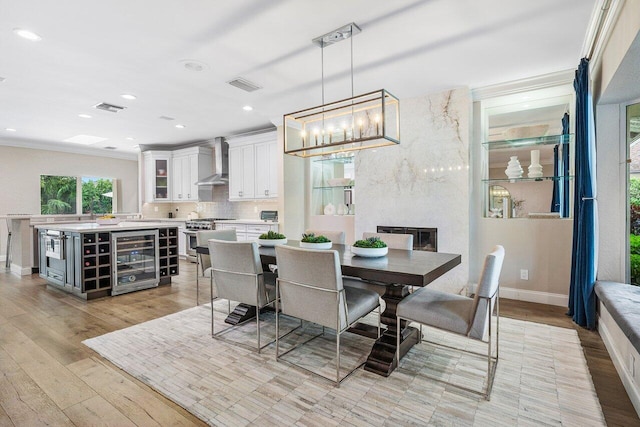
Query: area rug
[[541, 379]]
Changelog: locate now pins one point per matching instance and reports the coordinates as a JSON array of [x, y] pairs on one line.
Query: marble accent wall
[[424, 181]]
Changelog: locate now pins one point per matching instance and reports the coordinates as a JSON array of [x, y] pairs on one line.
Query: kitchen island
[[92, 260]]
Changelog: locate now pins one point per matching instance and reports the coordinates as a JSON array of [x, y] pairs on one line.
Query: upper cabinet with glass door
[[528, 154]]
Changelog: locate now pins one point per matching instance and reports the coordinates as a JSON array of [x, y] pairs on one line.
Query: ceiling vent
[[244, 84], [109, 148], [166, 118], [108, 107]]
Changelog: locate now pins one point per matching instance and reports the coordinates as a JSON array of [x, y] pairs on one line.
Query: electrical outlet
[[255, 209], [524, 274], [155, 209]]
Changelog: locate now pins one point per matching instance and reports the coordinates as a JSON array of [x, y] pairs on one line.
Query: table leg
[[382, 359]]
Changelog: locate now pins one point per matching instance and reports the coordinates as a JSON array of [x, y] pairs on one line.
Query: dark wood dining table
[[398, 270]]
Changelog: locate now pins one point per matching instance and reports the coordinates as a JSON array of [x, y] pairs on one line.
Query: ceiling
[[95, 51]]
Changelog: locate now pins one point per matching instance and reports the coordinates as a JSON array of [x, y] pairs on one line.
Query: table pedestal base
[[382, 359], [241, 313]]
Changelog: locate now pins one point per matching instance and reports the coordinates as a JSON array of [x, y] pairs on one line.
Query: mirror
[[496, 194]]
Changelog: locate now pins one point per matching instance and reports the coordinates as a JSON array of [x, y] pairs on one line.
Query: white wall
[[424, 181]]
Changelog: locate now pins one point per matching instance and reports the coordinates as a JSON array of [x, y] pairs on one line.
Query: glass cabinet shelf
[[334, 187], [528, 142], [525, 179]]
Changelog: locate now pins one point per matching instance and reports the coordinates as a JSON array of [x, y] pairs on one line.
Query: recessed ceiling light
[[130, 138], [193, 65], [135, 146], [10, 129], [2, 79], [247, 108], [26, 34], [128, 96], [84, 116], [180, 126]]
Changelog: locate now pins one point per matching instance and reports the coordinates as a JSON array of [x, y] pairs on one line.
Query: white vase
[[535, 168], [514, 170]]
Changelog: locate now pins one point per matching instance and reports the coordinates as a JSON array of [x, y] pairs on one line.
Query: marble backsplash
[[424, 181], [220, 207]]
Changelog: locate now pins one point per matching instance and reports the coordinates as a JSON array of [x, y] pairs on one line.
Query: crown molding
[[64, 148], [544, 81]]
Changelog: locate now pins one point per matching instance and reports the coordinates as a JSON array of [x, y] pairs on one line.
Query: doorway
[[633, 190]]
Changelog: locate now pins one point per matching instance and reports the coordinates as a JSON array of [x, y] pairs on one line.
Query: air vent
[[109, 148], [108, 107], [166, 118], [244, 84]]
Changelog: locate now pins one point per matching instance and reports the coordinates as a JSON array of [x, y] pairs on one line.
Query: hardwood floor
[[50, 378]]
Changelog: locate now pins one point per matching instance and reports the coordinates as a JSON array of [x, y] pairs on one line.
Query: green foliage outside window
[[97, 195], [57, 194]]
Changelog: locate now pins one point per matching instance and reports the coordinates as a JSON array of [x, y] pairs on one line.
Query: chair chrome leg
[[397, 341], [211, 288], [379, 315], [258, 326], [338, 358]]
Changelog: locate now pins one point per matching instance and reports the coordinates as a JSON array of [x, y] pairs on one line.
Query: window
[[57, 194], [97, 195]]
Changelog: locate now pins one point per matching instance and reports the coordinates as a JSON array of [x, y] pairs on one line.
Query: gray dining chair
[[238, 276], [461, 315], [337, 237], [310, 287], [204, 260]]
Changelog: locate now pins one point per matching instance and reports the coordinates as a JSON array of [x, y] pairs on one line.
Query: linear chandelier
[[364, 121]]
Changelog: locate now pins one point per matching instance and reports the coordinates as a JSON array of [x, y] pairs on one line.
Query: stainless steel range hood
[[221, 161]]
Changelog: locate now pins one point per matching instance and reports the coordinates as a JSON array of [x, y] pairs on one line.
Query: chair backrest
[[310, 286], [487, 288], [203, 236], [393, 241], [337, 237], [237, 271]]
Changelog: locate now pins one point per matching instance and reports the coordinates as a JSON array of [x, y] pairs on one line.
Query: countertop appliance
[[269, 216], [192, 226]]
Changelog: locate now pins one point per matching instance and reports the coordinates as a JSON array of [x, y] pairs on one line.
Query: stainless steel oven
[[192, 227]]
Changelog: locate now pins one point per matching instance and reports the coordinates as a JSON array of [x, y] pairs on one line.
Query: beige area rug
[[542, 377]]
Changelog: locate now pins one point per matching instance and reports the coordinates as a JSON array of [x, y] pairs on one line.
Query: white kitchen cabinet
[[157, 173], [248, 230], [189, 166], [253, 167], [266, 155]]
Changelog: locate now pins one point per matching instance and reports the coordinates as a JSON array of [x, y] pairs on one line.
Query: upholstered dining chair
[[337, 237], [310, 287], [461, 315], [238, 276], [202, 237]]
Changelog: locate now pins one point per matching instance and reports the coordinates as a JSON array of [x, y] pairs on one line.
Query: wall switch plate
[[155, 209], [524, 274]]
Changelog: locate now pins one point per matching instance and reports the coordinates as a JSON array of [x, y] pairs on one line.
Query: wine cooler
[[136, 261]]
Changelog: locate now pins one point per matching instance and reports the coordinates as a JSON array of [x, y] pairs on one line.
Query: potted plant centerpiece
[[371, 247], [271, 238], [311, 241]]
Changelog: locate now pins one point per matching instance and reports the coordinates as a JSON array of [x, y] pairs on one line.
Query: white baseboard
[[19, 270], [617, 358], [530, 296]]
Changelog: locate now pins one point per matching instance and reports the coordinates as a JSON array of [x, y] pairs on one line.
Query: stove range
[[203, 223]]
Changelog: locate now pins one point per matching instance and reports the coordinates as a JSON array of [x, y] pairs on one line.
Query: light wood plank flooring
[[50, 378]]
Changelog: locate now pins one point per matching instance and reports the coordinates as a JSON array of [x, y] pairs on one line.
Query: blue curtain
[[582, 304]]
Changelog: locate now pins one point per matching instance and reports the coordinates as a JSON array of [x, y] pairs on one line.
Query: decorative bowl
[[323, 245], [369, 252], [339, 182], [271, 242], [109, 221]]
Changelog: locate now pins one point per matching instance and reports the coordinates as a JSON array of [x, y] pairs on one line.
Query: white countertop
[[80, 227], [246, 221]]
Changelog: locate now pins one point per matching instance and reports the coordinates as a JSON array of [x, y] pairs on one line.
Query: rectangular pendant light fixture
[[365, 121]]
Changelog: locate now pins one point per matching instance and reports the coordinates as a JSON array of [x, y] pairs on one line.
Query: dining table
[[397, 270]]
